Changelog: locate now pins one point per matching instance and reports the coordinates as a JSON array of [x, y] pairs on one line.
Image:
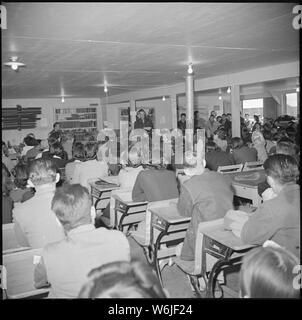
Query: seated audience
[[35, 223], [91, 168], [155, 183], [7, 202], [241, 152], [78, 156], [65, 264], [207, 195], [122, 280], [217, 158], [279, 218], [58, 155], [22, 192], [29, 142], [268, 273]]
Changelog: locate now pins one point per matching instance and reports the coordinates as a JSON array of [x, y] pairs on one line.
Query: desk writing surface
[[247, 183], [126, 197], [169, 213], [225, 237]]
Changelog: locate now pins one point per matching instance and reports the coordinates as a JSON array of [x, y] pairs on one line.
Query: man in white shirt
[[66, 264]]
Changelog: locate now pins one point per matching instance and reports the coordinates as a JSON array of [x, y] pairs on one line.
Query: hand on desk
[[234, 221]]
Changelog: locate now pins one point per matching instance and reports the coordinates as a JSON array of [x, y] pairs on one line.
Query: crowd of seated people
[[61, 220]]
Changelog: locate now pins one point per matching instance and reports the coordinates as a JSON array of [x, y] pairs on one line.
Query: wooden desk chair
[[9, 240], [231, 168], [126, 214], [18, 275], [254, 165], [164, 229]]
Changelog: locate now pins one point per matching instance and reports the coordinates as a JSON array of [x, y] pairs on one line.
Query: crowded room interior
[[150, 150]]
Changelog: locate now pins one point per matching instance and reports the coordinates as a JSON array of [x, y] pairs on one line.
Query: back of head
[[72, 205], [268, 273], [122, 280], [55, 136], [78, 151], [90, 150], [30, 141], [134, 157], [282, 168], [56, 149], [42, 172], [286, 146], [21, 175], [236, 143]]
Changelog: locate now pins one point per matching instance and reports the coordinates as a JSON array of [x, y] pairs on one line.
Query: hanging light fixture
[[105, 88], [298, 89], [219, 92], [164, 98], [190, 68], [63, 100], [229, 90]]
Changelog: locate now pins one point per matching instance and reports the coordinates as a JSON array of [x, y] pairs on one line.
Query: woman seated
[[268, 273], [241, 152]]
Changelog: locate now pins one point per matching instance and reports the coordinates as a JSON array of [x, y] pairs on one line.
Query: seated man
[[35, 223], [206, 196], [78, 155], [278, 219], [241, 152], [66, 264], [156, 183]]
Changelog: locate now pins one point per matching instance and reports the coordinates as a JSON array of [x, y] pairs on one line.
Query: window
[[292, 104], [253, 106]]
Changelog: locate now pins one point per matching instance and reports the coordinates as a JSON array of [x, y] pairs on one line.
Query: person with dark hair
[[34, 222], [211, 127], [56, 131], [182, 123], [155, 183], [29, 142], [122, 279], [32, 153], [278, 219], [78, 156], [91, 168], [142, 121], [22, 192], [217, 158], [57, 155], [241, 152], [65, 264], [267, 273]]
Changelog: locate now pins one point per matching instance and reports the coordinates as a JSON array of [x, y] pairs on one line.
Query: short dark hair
[[285, 146], [78, 151], [268, 273], [91, 149], [56, 149], [236, 143], [56, 123], [21, 175], [42, 172], [183, 114], [282, 168], [122, 279], [30, 141], [71, 204]]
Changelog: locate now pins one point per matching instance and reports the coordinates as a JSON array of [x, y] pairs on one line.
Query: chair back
[[253, 165], [230, 169], [18, 274]]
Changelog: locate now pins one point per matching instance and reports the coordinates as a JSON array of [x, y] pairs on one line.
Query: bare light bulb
[[63, 100], [229, 90], [164, 98], [298, 89], [105, 89], [14, 67], [190, 68], [219, 97]]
